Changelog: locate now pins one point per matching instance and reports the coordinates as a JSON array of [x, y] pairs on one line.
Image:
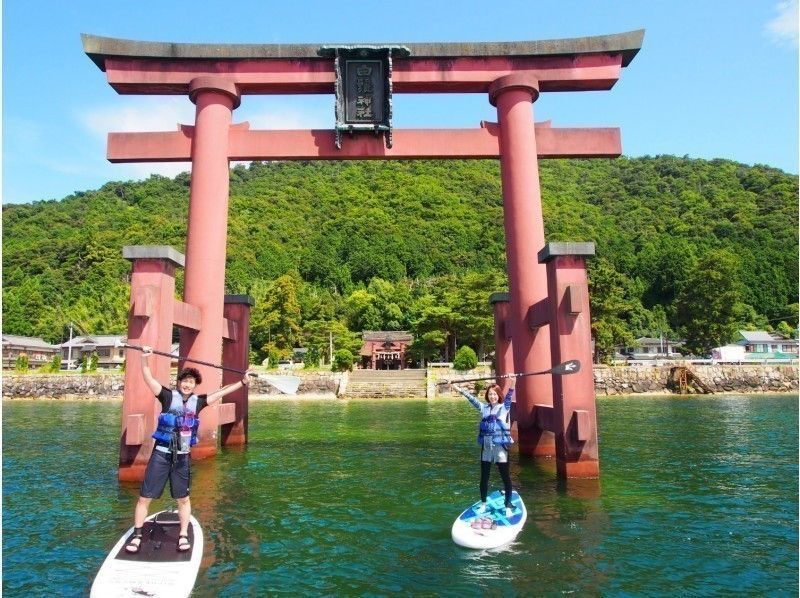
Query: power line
[[789, 317]]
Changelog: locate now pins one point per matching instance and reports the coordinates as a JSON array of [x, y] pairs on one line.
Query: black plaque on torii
[[363, 88]]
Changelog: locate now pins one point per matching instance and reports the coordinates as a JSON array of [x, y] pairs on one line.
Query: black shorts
[[159, 468]]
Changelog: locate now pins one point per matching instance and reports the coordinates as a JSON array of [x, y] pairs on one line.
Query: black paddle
[[286, 384], [562, 369]]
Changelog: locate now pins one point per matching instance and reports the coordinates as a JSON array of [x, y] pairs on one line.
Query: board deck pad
[[492, 527], [159, 544], [495, 510]]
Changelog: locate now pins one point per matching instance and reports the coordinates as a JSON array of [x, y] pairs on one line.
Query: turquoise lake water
[[697, 497]]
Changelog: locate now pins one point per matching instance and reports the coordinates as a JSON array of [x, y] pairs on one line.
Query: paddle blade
[[288, 385], [573, 366]]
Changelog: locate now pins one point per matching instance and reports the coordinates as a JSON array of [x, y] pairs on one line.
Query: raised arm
[[509, 395], [226, 390], [467, 395], [153, 384]]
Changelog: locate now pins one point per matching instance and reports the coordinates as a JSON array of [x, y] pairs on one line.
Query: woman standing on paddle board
[[494, 436], [175, 435]]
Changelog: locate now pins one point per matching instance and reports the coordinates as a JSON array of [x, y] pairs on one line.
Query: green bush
[[311, 359], [21, 365], [342, 361], [465, 359], [480, 386], [54, 366], [273, 357], [93, 360]]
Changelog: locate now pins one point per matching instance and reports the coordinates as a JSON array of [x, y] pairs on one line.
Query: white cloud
[[138, 114], [783, 29], [164, 113], [142, 170]]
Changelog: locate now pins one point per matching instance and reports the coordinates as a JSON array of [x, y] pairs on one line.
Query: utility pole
[[69, 348]]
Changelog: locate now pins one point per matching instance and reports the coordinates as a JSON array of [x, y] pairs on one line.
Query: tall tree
[[706, 310], [613, 302]]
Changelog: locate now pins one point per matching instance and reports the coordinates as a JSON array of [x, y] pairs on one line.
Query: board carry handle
[[169, 518]]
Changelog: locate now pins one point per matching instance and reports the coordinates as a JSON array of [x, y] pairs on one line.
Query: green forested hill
[[687, 248]]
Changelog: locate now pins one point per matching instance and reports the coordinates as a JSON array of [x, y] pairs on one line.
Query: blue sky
[[714, 78]]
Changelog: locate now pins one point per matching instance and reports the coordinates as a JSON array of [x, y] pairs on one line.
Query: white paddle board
[[493, 527], [159, 569]]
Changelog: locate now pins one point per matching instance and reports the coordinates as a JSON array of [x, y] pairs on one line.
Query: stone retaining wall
[[624, 380], [608, 381], [719, 378], [110, 386]]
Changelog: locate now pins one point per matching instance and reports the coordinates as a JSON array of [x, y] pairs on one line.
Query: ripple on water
[[697, 496]]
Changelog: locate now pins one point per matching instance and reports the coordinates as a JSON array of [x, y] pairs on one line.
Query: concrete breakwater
[[721, 378]]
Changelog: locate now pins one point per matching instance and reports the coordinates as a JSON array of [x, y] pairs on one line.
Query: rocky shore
[[110, 386], [609, 381], [720, 378]]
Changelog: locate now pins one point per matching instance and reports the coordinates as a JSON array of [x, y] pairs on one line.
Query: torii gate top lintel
[[176, 63], [99, 48]]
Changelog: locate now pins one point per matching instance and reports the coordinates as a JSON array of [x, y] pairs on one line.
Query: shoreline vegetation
[[686, 249]]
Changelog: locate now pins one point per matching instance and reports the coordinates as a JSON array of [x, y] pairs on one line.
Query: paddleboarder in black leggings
[[175, 435], [494, 436]]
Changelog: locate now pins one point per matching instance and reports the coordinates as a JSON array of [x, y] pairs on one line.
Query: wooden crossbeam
[[409, 144], [163, 76]]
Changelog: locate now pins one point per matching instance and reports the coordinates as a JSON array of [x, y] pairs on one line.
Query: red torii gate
[[215, 77]]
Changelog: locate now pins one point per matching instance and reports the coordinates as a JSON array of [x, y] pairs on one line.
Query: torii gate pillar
[[150, 321], [513, 95], [574, 419], [503, 356], [234, 411], [504, 359], [204, 285]]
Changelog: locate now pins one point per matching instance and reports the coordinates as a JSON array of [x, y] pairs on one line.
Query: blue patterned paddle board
[[493, 527]]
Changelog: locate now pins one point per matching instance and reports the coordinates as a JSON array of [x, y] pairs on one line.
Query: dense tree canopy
[[688, 248]]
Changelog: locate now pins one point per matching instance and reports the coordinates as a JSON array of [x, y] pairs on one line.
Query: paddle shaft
[[553, 370], [189, 359]]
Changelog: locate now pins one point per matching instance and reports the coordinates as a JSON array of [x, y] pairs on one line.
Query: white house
[[108, 353], [729, 353], [759, 344], [652, 348], [38, 351]]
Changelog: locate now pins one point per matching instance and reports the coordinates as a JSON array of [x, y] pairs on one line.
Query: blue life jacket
[[496, 428], [181, 416]]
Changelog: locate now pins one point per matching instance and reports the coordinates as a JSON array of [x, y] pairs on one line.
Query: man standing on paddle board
[[175, 435], [494, 436]]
